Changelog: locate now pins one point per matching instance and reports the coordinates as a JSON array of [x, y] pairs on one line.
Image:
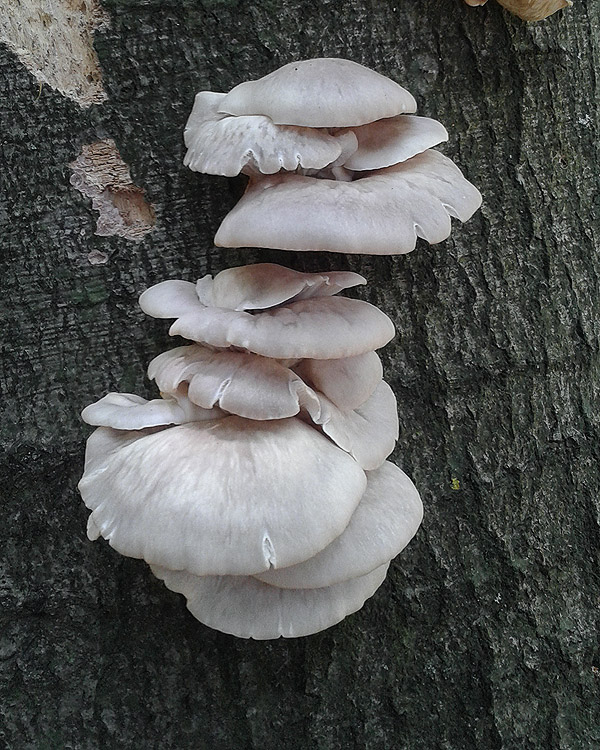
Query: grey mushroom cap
[[263, 285], [315, 328], [126, 411], [241, 383], [258, 387], [384, 522], [320, 93], [368, 433], [347, 382], [248, 608], [382, 213], [394, 140], [220, 497], [224, 145]]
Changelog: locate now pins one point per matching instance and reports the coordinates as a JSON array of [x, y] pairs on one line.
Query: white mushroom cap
[[321, 93], [223, 145], [263, 285], [258, 387], [347, 382], [382, 213], [247, 608], [318, 328], [245, 384], [126, 411], [397, 139], [368, 433], [227, 496], [385, 521]]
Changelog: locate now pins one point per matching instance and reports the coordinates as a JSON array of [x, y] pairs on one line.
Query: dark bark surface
[[485, 633]]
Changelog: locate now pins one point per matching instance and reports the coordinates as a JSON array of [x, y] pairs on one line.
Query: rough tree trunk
[[485, 632]]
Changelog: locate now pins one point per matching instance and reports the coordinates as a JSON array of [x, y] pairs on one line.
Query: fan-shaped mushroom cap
[[245, 384], [367, 433], [258, 387], [248, 608], [228, 496], [322, 93], [263, 285], [382, 213], [385, 521], [347, 382], [387, 142], [224, 145], [319, 328], [126, 411]]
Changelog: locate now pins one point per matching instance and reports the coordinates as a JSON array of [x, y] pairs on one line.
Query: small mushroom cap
[[382, 213], [347, 382], [248, 608], [227, 496], [397, 139], [321, 93], [318, 328], [245, 384], [263, 285], [222, 145], [126, 411], [368, 433], [385, 521]]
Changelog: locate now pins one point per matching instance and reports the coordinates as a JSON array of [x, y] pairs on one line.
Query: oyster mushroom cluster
[[336, 158], [257, 485]]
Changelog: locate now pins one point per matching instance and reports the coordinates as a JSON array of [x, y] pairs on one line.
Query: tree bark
[[485, 632]]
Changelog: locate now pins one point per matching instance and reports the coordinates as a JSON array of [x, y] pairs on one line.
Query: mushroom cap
[[347, 382], [248, 608], [263, 285], [396, 139], [368, 433], [227, 496], [244, 384], [126, 411], [384, 522], [382, 213], [225, 145], [321, 93], [256, 387], [317, 328]]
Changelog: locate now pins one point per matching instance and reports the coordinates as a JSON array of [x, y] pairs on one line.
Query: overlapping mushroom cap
[[272, 311], [382, 213], [325, 92], [220, 497], [224, 145]]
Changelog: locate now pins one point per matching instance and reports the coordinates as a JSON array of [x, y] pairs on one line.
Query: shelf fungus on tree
[[336, 158], [258, 485], [529, 10]]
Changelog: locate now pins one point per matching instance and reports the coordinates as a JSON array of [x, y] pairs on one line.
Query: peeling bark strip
[[54, 40], [100, 173], [529, 10]]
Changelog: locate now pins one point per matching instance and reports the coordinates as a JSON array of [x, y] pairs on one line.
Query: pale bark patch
[[100, 173], [54, 40]]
